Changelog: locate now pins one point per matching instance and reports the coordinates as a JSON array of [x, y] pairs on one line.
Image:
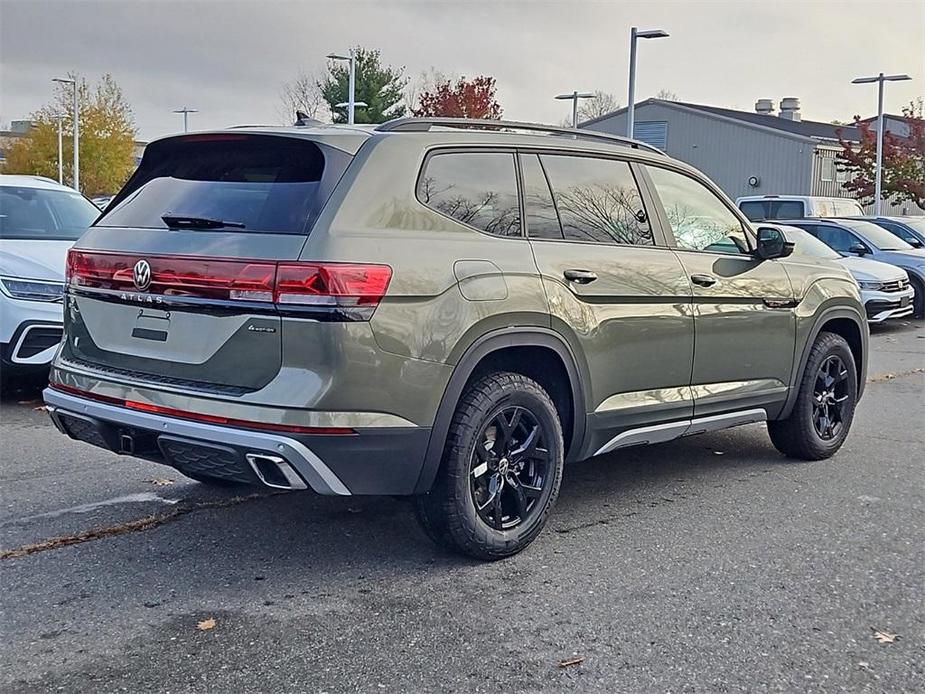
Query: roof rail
[[425, 124]]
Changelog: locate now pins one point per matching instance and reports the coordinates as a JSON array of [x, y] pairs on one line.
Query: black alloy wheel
[[509, 468], [830, 393]]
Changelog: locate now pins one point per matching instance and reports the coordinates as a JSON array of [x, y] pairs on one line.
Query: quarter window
[[540, 211], [699, 220], [476, 188], [598, 200]]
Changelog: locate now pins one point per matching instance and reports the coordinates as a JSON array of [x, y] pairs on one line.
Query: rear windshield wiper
[[181, 221]]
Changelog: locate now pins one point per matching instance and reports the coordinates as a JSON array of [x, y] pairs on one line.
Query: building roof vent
[[790, 108], [764, 106]]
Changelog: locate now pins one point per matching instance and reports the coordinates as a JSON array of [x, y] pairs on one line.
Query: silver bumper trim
[[318, 475]]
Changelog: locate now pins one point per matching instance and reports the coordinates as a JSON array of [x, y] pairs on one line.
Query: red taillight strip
[[357, 287], [200, 417]]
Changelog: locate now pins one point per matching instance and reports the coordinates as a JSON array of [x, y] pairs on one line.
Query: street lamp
[[880, 79], [351, 84], [76, 124], [356, 104], [575, 96], [631, 103], [59, 117], [186, 110]]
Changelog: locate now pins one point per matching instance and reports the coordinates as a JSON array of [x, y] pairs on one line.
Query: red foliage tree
[[903, 176], [473, 98]]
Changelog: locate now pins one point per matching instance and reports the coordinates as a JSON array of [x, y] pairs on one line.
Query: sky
[[229, 59]]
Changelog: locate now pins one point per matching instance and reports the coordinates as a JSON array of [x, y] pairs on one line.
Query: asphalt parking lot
[[706, 564]]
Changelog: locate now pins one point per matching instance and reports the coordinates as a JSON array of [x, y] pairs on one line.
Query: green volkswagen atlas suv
[[446, 309]]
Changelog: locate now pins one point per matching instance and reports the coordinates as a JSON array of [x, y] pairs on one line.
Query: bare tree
[[666, 95], [429, 80], [600, 104], [301, 94]]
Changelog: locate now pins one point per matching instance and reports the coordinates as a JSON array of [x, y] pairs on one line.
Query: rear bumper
[[383, 460]]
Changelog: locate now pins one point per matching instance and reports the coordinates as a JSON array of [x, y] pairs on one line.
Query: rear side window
[[231, 182], [758, 210], [598, 200], [836, 238], [475, 188]]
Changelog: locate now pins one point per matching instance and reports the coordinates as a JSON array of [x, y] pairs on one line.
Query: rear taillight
[[347, 291], [332, 284]]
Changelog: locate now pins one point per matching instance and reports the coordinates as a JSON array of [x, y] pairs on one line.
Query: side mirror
[[858, 249], [772, 244], [915, 243]]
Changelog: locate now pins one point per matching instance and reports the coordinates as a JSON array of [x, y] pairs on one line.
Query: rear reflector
[[200, 417], [349, 289]]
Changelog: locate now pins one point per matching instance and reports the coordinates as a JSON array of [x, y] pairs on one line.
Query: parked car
[[768, 207], [909, 229], [101, 201], [446, 312], [861, 238], [885, 289], [39, 220]]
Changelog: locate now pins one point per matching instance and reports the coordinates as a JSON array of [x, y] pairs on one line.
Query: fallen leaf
[[884, 636], [206, 624], [160, 481], [572, 661], [41, 408]]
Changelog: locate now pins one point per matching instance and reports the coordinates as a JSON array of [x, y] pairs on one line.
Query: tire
[[918, 299], [475, 507], [818, 424]]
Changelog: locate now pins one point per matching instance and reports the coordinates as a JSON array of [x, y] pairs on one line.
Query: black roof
[[804, 128]]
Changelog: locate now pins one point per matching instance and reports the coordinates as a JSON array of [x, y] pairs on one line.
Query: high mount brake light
[[351, 291]]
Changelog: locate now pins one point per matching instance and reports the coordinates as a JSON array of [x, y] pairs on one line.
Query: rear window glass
[[39, 213], [229, 182], [757, 210]]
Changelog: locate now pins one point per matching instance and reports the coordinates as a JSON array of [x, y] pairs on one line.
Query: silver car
[[859, 238], [885, 289]]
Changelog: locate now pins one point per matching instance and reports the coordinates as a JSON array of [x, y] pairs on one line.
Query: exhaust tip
[[275, 472]]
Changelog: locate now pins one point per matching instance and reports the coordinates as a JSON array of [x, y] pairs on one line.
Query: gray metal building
[[745, 152]]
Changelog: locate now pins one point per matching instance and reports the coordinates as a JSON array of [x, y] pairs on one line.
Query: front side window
[[699, 220], [598, 200], [475, 188]]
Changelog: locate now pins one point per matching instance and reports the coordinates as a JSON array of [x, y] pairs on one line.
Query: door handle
[[580, 276], [703, 280]]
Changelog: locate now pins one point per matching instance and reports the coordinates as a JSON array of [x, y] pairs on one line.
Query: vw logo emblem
[[141, 274]]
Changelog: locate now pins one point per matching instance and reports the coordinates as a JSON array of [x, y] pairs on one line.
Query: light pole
[[76, 123], [880, 79], [60, 118], [186, 110], [631, 102], [346, 105], [351, 83], [575, 96]]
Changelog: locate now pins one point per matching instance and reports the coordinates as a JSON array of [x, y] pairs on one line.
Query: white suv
[[39, 221]]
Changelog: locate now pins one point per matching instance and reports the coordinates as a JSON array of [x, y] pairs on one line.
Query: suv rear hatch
[[183, 280]]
